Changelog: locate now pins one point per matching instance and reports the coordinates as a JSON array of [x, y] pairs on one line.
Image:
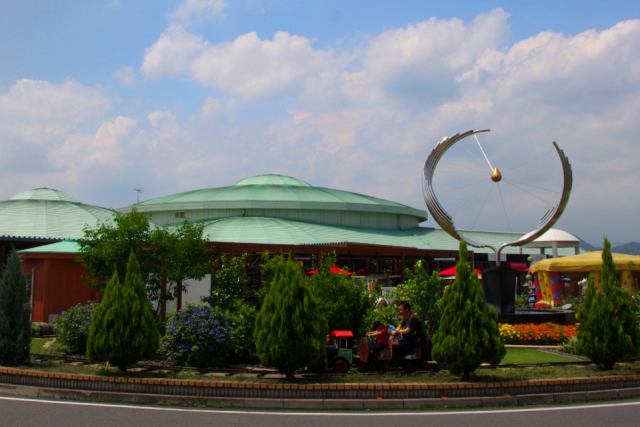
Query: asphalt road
[[37, 413]]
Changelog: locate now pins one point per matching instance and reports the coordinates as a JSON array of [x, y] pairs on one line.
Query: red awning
[[520, 267], [342, 334], [334, 269], [452, 271]]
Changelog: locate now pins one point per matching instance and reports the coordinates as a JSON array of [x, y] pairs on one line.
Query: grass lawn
[[524, 356], [55, 349]]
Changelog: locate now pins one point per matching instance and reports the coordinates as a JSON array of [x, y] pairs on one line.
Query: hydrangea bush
[[197, 335], [72, 327]]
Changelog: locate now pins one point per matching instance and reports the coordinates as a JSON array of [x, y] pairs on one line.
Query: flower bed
[[529, 333]]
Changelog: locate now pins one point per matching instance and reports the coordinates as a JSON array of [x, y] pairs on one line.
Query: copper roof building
[[373, 237], [33, 218]]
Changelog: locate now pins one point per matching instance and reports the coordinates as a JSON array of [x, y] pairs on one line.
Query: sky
[[99, 98]]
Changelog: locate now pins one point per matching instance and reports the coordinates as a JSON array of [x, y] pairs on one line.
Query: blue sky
[[98, 98]]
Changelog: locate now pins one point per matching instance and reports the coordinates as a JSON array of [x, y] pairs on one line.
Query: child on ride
[[381, 332]]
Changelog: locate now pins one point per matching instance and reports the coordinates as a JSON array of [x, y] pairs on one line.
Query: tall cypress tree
[[123, 331], [15, 326], [290, 330], [468, 334], [608, 328]]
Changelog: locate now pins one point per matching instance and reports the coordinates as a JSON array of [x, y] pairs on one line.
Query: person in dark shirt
[[411, 330]]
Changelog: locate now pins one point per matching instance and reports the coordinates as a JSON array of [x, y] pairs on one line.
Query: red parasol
[[334, 269], [452, 272]]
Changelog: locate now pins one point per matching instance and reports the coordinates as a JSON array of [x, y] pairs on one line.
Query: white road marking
[[325, 414]]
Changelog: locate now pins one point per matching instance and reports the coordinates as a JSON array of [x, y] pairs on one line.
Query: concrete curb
[[236, 389], [312, 404]]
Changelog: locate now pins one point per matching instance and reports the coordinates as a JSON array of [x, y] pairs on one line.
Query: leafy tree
[[608, 328], [468, 334], [166, 257], [342, 300], [423, 293], [290, 330], [123, 330], [231, 282], [387, 316], [15, 326]]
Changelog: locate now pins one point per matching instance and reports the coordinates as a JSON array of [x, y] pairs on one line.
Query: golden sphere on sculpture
[[496, 176]]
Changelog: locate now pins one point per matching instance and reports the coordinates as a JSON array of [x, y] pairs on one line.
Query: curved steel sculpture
[[446, 221]]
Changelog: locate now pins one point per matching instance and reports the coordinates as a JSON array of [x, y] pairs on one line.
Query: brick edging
[[309, 391]]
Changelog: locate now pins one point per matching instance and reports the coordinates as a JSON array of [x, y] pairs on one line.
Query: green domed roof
[[272, 180], [44, 213], [280, 196], [44, 194]]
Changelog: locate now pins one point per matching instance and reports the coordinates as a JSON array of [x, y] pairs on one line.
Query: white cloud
[[166, 129], [248, 66], [44, 104], [107, 147], [214, 107], [125, 75], [173, 53], [198, 10]]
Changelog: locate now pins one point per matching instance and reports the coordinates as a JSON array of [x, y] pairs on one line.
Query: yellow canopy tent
[[589, 262], [586, 263]]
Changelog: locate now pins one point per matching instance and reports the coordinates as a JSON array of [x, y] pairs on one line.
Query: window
[[179, 214]]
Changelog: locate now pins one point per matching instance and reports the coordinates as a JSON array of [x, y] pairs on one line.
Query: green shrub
[[608, 328], [123, 331], [15, 327], [242, 320], [197, 335], [290, 331], [571, 347], [341, 300], [468, 335], [72, 327]]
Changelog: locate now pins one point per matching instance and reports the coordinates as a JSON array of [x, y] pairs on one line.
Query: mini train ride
[[340, 357]]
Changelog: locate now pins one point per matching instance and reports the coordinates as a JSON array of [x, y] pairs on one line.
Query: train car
[[339, 353], [394, 355]]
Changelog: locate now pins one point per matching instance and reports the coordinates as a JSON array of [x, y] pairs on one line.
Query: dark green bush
[[608, 329], [15, 326], [468, 335], [290, 331], [123, 331]]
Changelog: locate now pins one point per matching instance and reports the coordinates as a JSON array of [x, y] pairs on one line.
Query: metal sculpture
[[446, 221]]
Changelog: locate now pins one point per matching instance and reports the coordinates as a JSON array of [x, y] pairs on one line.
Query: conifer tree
[[15, 326], [290, 330], [123, 331], [468, 334], [608, 328]]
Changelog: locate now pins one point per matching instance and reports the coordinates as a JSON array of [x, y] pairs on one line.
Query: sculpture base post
[[499, 286]]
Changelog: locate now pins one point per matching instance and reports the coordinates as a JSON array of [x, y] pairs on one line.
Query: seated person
[[411, 331], [382, 334]]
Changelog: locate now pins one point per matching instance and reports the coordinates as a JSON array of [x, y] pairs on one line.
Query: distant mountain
[[586, 246], [631, 248]]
